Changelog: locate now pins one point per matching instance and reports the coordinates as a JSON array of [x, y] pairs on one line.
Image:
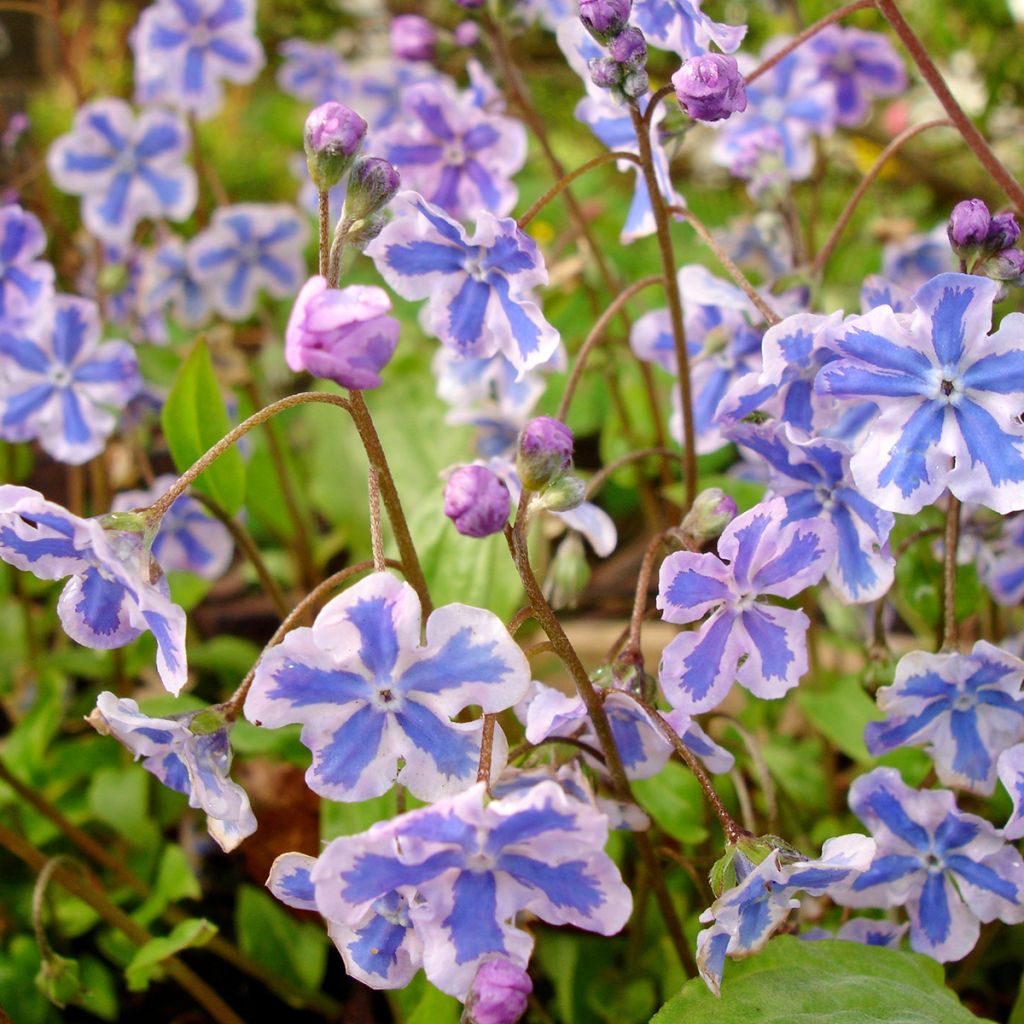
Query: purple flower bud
[[476, 501], [636, 83], [1002, 232], [1007, 265], [371, 185], [629, 48], [498, 994], [710, 87], [712, 511], [467, 33], [604, 19], [968, 225], [413, 37], [544, 452], [332, 137], [604, 72], [344, 335]]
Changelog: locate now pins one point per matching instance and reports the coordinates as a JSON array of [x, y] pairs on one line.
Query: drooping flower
[[479, 288], [1010, 768], [341, 334], [681, 27], [61, 385], [185, 49], [813, 478], [125, 169], [195, 763], [189, 538], [952, 871], [945, 389], [863, 66], [745, 917], [368, 694], [468, 867], [766, 555], [25, 281], [476, 501], [112, 596], [247, 247], [966, 709], [459, 157]]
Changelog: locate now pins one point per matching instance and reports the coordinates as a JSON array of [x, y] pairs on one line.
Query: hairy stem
[[324, 216], [952, 542], [483, 773], [376, 534], [600, 478]]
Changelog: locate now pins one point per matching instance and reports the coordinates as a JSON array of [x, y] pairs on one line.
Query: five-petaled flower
[[185, 48], [112, 596], [467, 867], [195, 763], [368, 694], [766, 555], [951, 870], [25, 282], [479, 288], [60, 384], [124, 169], [949, 396], [966, 708]]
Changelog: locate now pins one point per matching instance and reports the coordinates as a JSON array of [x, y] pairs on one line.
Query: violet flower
[[25, 281], [476, 501]]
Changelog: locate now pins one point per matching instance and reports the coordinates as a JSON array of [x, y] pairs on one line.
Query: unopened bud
[[498, 994], [636, 84], [332, 137], [563, 494], [372, 184], [360, 233], [605, 19], [1007, 265], [712, 511], [605, 72], [544, 452], [629, 48], [413, 37], [1002, 232], [477, 501], [968, 226]]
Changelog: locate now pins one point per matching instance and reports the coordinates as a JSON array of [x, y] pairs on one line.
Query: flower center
[[60, 376], [453, 155], [964, 702]]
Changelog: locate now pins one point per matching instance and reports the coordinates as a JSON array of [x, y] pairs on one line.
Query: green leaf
[[175, 881], [420, 1003], [119, 797], [196, 931], [194, 420], [828, 982], [674, 800], [840, 709], [294, 950]]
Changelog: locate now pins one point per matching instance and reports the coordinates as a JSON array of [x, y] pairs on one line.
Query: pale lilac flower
[[945, 388], [168, 284], [1001, 563], [61, 385], [745, 917], [479, 287], [341, 334], [247, 247], [965, 709], [766, 555], [313, 72], [369, 694], [813, 478], [681, 27], [193, 763], [468, 867], [25, 281], [111, 597], [456, 155], [915, 260], [413, 37], [189, 538], [1010, 768], [952, 871], [863, 66], [185, 49], [125, 169]]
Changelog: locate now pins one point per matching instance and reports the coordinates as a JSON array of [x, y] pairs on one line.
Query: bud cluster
[[985, 243], [623, 70]]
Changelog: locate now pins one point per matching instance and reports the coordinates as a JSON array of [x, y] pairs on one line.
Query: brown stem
[[739, 278], [519, 620], [483, 773], [675, 302], [596, 334], [376, 534], [632, 650], [324, 211], [974, 139], [88, 893], [652, 106], [566, 180], [572, 741], [807, 33], [598, 480], [876, 168], [952, 542]]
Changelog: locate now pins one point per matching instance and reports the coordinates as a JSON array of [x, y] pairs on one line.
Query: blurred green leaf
[[840, 709], [119, 797], [196, 931], [673, 798]]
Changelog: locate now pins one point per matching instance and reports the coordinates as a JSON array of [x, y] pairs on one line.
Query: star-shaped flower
[[368, 694], [313, 72], [167, 284], [25, 282], [125, 169]]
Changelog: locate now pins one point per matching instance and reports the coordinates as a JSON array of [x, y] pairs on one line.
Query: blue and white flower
[[915, 260], [26, 282], [125, 169], [1001, 563], [682, 28], [193, 763], [369, 695], [949, 396], [167, 284], [1010, 768], [952, 871], [965, 709], [314, 73]]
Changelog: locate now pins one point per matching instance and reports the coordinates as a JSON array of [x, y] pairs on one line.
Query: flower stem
[[952, 542], [483, 773], [931, 74], [675, 302], [376, 535], [631, 652], [598, 480], [324, 210], [876, 168]]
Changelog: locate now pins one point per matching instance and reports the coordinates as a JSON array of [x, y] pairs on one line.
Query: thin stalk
[[39, 902], [519, 620], [632, 652], [952, 542], [596, 334], [652, 106], [808, 33], [376, 534], [600, 478], [336, 253], [88, 893], [324, 209], [566, 180], [675, 303], [595, 709], [483, 773], [526, 748], [866, 182], [240, 535], [931, 74], [739, 278]]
